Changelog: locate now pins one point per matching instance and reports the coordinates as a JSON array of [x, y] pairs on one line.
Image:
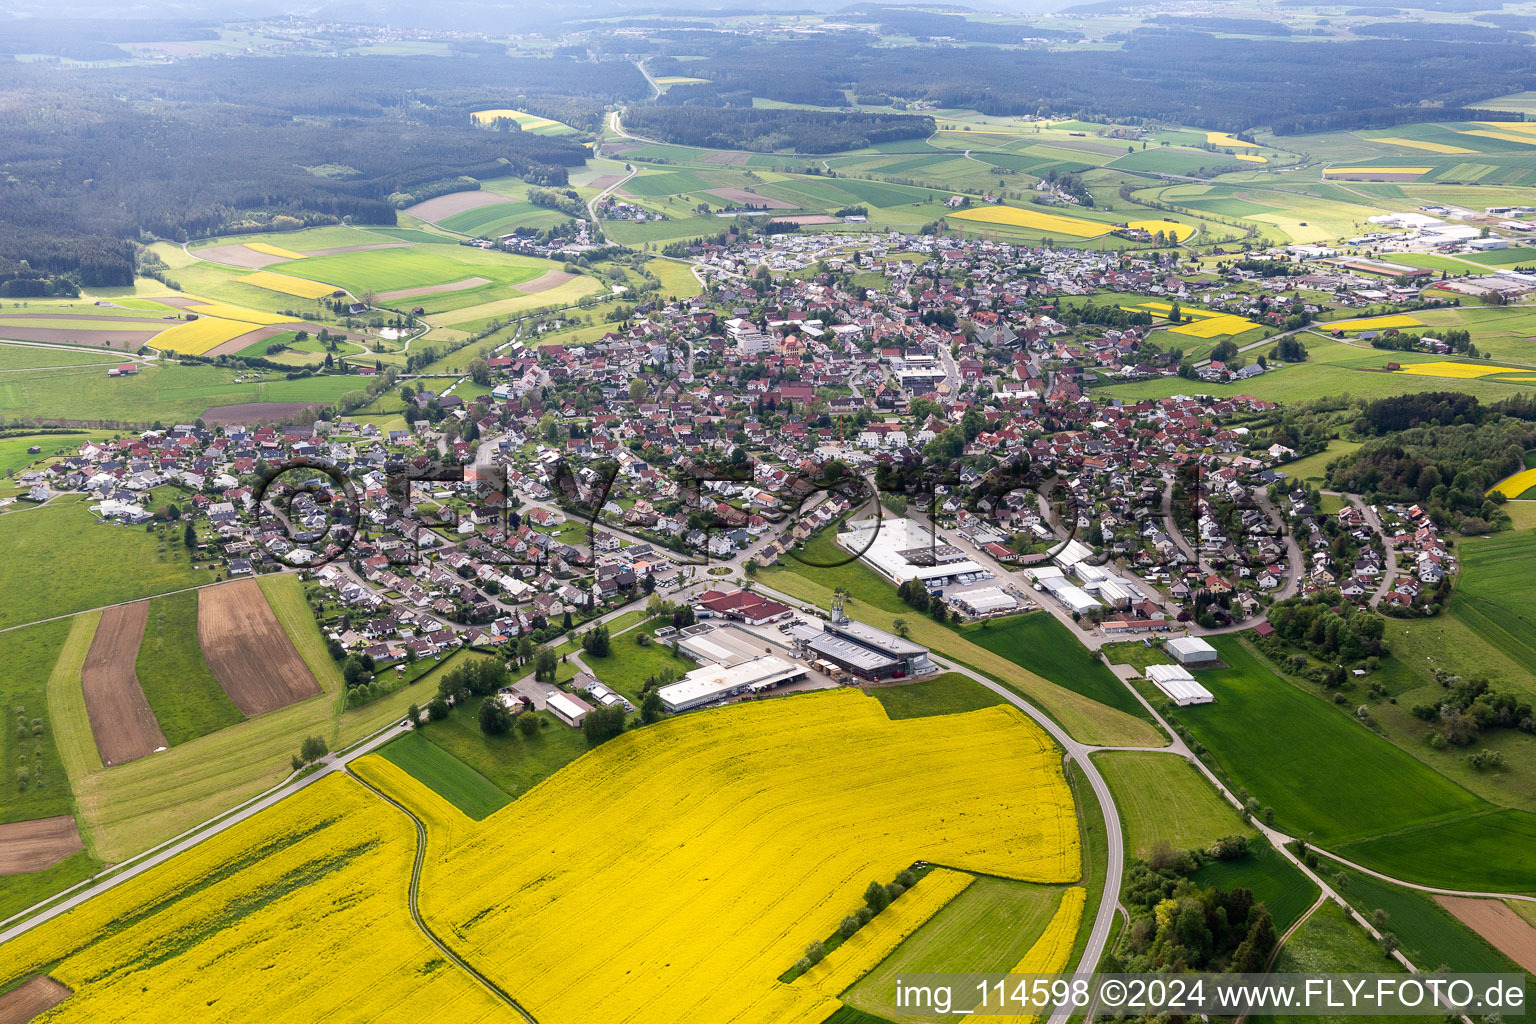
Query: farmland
[[1030, 834], [248, 652], [1352, 784], [1164, 799], [184, 695], [121, 719], [110, 563], [446, 775]]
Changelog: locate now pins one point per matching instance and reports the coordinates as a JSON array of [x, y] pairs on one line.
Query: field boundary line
[[414, 891]]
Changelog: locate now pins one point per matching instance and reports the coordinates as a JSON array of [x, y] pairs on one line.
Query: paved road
[[159, 855]]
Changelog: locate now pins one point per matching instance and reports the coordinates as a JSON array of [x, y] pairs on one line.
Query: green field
[[1163, 798], [1495, 592], [1330, 943], [61, 559], [1430, 935], [1320, 772], [628, 664], [1041, 644], [169, 393], [511, 762], [1309, 470], [378, 270], [29, 657], [502, 218], [1274, 881], [22, 891], [988, 927], [947, 694], [187, 701], [446, 775], [15, 458], [26, 357], [1494, 852]]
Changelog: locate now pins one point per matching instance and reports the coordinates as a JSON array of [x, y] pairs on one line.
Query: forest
[[768, 130], [93, 158], [1162, 73]]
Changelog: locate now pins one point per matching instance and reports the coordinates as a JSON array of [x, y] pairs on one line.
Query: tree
[[602, 725], [437, 709], [651, 708], [902, 627], [527, 724], [637, 390], [876, 898], [544, 665], [189, 536], [480, 371], [494, 717], [313, 749], [413, 715], [597, 642]]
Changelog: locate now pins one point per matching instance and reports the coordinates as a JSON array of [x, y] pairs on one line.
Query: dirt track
[[1510, 933], [442, 207], [121, 718], [22, 1004], [27, 846], [247, 650]]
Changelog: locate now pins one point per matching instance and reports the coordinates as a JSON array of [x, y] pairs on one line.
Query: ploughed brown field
[[253, 413], [442, 207], [435, 289], [247, 650], [20, 1005], [544, 282], [33, 845], [1504, 929], [121, 719]]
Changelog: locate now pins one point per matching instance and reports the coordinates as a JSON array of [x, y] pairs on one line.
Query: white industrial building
[[902, 550], [716, 682], [1179, 685], [1075, 598], [985, 601], [1191, 650], [569, 709]]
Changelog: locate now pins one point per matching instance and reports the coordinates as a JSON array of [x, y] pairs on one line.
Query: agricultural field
[[1330, 942], [248, 652], [110, 563], [1321, 773], [14, 457], [121, 720], [446, 775], [704, 769], [1038, 642], [1164, 799], [254, 892], [187, 700]]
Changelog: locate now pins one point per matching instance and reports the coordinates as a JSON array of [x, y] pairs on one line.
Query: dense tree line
[[1331, 629], [1471, 707], [766, 130], [92, 158], [1164, 75]]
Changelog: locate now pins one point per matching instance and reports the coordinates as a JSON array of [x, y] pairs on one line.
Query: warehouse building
[[1076, 599], [866, 652], [985, 601], [1180, 687], [569, 708], [1191, 650], [717, 682], [902, 550], [742, 606]]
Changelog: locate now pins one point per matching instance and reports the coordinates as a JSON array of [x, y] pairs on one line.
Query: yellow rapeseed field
[[1378, 170], [1215, 327], [675, 872], [1459, 371], [274, 250], [1252, 158], [1432, 147], [288, 285], [1049, 953], [298, 914], [1516, 485], [1183, 231], [1524, 140], [1047, 223], [863, 951], [195, 337], [1230, 141], [1375, 323]]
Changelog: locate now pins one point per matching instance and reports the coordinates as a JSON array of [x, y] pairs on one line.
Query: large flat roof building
[[1191, 650], [867, 652], [902, 550], [1179, 685], [715, 682]]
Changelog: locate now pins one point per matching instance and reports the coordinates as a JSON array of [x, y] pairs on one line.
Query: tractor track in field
[[413, 897]]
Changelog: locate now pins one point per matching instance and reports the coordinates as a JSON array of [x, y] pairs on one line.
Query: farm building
[[1179, 685], [569, 709], [1191, 650], [715, 682]]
